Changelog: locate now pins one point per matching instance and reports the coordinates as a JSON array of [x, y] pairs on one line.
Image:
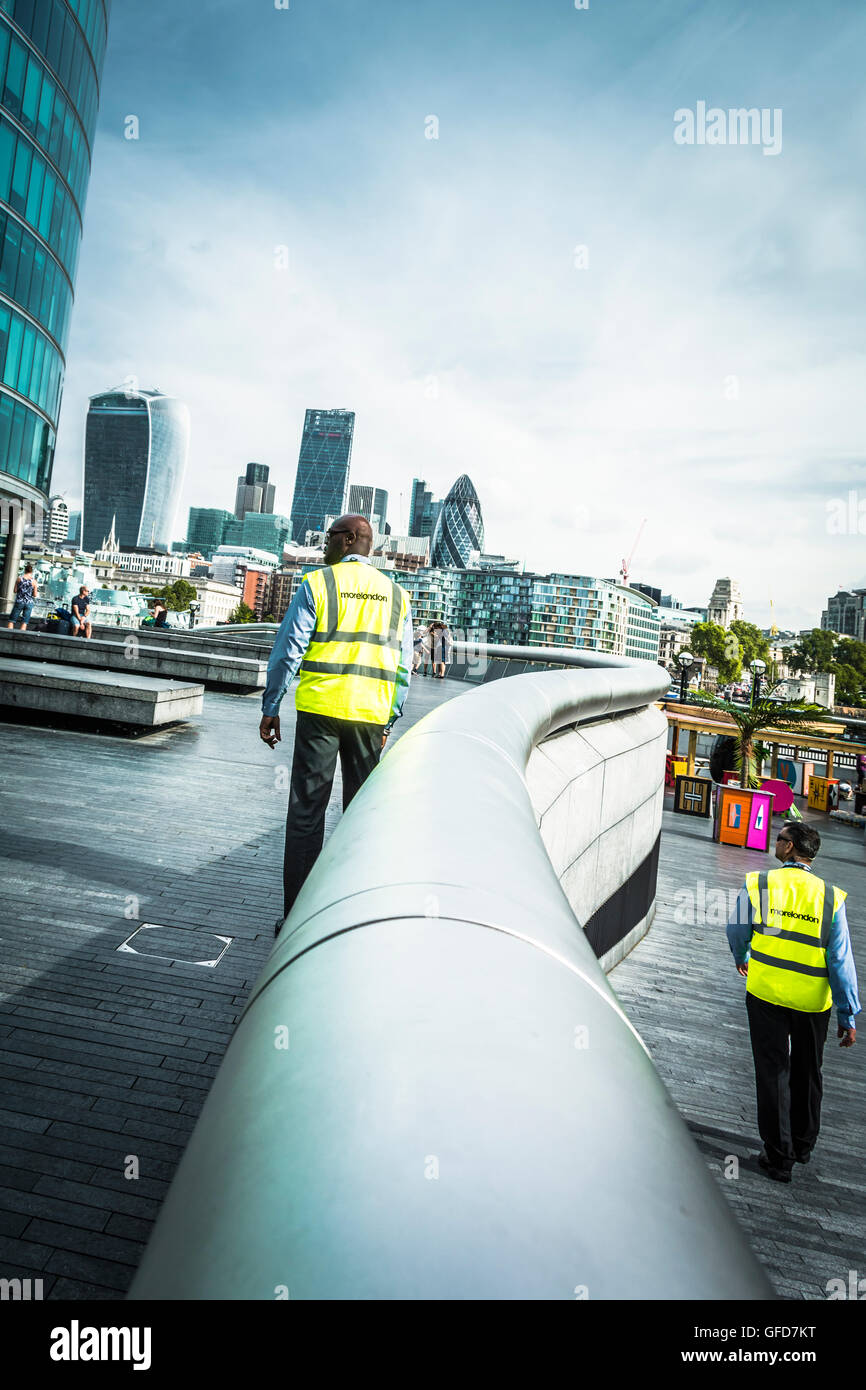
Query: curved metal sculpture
[[433, 1092]]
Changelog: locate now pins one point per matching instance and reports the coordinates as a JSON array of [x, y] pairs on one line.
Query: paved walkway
[[106, 1056], [682, 992]]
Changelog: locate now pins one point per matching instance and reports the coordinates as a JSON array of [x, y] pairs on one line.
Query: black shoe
[[803, 1157], [777, 1174]]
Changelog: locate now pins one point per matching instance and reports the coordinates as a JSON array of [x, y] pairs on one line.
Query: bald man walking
[[349, 632]]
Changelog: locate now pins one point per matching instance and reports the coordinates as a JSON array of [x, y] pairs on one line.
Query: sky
[[471, 223]]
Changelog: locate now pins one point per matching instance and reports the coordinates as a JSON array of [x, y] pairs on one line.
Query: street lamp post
[[685, 660], [757, 667]]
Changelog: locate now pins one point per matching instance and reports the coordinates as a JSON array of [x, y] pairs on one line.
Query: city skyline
[[554, 300]]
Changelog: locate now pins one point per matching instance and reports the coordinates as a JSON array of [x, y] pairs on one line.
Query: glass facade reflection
[[322, 479], [459, 527], [51, 57], [135, 452]]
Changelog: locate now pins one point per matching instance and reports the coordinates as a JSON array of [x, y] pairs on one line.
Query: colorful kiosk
[[743, 817]]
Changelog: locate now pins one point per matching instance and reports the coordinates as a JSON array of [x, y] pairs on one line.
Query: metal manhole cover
[[177, 944]]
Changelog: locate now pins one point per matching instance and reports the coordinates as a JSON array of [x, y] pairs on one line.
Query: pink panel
[[760, 820], [783, 794]]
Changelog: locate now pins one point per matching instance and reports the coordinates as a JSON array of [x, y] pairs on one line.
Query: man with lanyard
[[789, 938], [349, 630]]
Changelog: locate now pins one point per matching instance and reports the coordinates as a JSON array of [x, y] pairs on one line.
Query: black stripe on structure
[[820, 971], [375, 639], [349, 668], [332, 605]]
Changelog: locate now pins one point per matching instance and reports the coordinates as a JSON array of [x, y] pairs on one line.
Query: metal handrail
[[433, 1091]]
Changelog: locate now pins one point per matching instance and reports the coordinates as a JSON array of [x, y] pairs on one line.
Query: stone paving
[[106, 1056]]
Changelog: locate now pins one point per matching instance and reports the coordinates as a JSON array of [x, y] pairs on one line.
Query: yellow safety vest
[[350, 667], [792, 912]]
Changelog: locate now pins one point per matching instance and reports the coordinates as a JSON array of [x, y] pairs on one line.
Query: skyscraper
[[135, 451], [56, 525], [51, 56], [380, 510], [322, 479], [423, 511], [371, 502], [254, 492], [459, 528], [361, 500]]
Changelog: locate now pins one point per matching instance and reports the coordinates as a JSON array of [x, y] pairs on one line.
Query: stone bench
[[179, 639], [118, 697], [132, 655]]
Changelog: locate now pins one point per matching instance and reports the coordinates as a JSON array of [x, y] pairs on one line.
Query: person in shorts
[[81, 613], [26, 593]]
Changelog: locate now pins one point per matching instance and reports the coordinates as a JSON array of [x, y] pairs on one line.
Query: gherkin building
[[459, 528]]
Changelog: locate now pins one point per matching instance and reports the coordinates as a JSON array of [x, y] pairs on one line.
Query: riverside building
[[51, 58]]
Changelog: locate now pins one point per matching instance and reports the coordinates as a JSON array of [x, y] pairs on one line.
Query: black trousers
[[788, 1048], [318, 740]]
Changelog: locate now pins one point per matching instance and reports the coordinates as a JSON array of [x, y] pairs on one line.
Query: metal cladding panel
[[433, 1092], [418, 1140]]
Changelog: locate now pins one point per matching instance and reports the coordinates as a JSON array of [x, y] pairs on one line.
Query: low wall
[[131, 656], [598, 792], [138, 701], [433, 1092]]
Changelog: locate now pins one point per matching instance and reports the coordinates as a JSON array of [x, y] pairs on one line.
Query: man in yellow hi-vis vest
[[349, 629], [789, 938]]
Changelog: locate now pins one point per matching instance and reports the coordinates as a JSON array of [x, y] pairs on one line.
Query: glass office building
[[262, 530], [206, 529], [322, 479], [459, 528], [51, 57], [254, 492], [423, 510], [135, 452]]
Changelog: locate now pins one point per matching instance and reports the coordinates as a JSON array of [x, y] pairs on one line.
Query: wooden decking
[[682, 992]]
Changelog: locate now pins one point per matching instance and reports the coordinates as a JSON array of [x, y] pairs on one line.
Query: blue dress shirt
[[840, 958], [293, 638]]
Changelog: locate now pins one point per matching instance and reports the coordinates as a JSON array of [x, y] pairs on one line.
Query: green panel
[[13, 351]]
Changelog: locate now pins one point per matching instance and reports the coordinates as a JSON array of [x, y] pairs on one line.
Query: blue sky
[[700, 364]]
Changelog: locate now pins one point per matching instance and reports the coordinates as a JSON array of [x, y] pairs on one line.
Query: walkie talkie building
[[459, 527], [135, 452], [51, 56]]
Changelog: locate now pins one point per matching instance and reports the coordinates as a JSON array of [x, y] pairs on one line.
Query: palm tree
[[764, 713]]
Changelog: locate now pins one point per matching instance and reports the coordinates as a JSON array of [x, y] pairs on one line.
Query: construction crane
[[624, 567]]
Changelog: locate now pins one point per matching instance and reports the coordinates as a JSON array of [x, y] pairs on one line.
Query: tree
[[177, 595], [269, 618], [850, 652], [849, 683], [814, 652], [242, 614], [765, 713], [719, 648], [753, 644]]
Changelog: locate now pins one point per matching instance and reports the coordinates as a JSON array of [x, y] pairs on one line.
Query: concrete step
[[131, 654], [122, 698]]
